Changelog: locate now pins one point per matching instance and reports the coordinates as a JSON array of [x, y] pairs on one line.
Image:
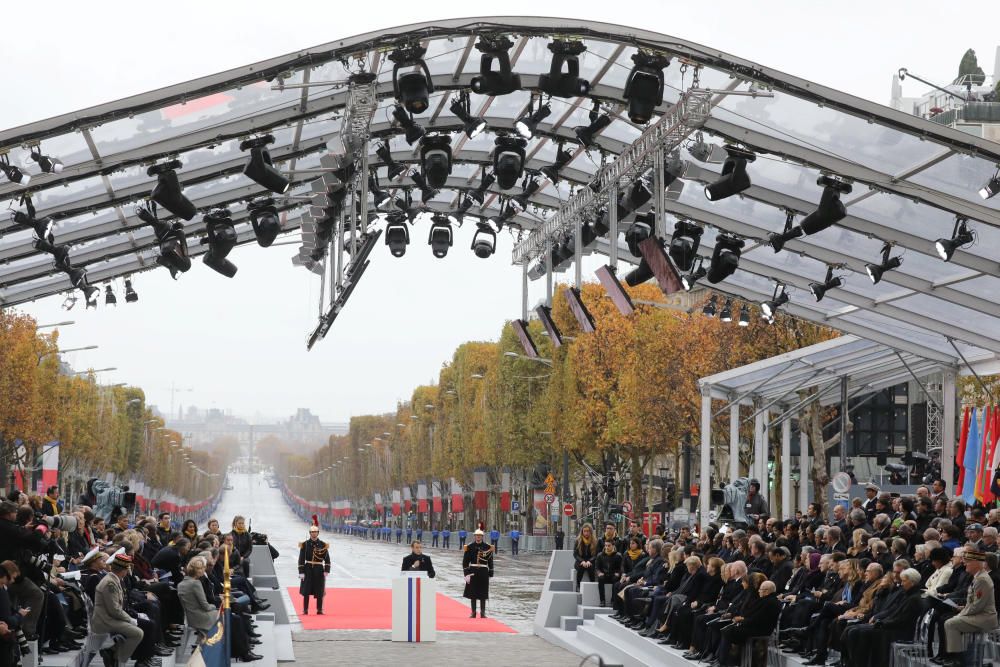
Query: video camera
[[733, 497], [112, 500]]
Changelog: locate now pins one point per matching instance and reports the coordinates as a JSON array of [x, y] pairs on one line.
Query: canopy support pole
[[760, 451], [804, 471], [786, 469], [949, 397], [705, 483], [734, 440]]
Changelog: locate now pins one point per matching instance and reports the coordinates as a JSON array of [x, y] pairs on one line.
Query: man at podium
[[417, 561]]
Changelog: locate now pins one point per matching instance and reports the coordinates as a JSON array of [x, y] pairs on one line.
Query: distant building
[[201, 428]]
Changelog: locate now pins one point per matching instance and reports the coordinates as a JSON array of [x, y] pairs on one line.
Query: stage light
[[412, 89], [831, 281], [639, 274], [397, 233], [260, 169], [726, 315], [734, 177], [265, 221], [830, 210], [167, 192], [586, 134], [221, 239], [684, 244], [768, 309], [484, 241], [501, 81], [961, 236], [527, 124], [991, 188], [634, 198], [486, 179], [393, 169], [744, 316], [462, 108], [725, 257], [779, 239], [435, 159], [639, 231], [59, 252], [14, 174], [48, 165], [697, 273], [563, 158], [78, 278], [172, 241], [710, 307], [700, 150], [673, 168], [559, 83], [109, 296], [131, 296], [644, 86], [520, 202], [412, 131], [69, 302], [876, 271], [508, 161], [427, 193], [537, 270], [441, 236]]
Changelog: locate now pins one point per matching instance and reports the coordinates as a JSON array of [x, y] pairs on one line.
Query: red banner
[[436, 504], [457, 497], [505, 492], [481, 497]]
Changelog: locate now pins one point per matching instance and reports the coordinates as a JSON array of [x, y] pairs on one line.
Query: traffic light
[[671, 495]]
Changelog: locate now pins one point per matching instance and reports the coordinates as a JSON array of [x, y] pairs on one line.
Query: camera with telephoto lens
[[113, 500]]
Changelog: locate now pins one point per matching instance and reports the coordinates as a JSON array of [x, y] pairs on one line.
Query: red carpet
[[371, 609]]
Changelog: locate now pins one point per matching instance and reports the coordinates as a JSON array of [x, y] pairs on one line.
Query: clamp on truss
[[673, 127]]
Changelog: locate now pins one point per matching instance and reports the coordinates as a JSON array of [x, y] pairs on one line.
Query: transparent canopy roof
[[911, 178]]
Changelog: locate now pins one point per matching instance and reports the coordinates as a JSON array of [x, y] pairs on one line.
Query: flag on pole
[[50, 464], [407, 499], [422, 497], [395, 502], [379, 507], [960, 454], [989, 495], [457, 496], [505, 492], [436, 504], [479, 483], [982, 481], [20, 458], [970, 461]]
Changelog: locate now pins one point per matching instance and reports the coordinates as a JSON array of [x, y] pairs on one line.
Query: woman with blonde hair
[[585, 554]]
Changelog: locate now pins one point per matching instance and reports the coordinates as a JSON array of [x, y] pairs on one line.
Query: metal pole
[[844, 417], [759, 451], [786, 470], [949, 396], [734, 441], [804, 471], [565, 495], [548, 272], [660, 229], [524, 291], [577, 252], [705, 484], [613, 226]]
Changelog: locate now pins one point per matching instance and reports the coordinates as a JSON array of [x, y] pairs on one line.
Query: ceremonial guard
[[477, 564], [314, 565]]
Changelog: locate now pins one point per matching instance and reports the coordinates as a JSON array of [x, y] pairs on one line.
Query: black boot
[[319, 606], [305, 606], [482, 609], [473, 614]]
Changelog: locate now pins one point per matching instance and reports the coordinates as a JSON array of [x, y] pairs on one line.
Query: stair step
[[570, 623], [589, 612]]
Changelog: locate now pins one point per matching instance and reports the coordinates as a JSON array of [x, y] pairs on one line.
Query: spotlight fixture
[[69, 301], [168, 193], [585, 134], [397, 234], [462, 108], [563, 158], [673, 168], [59, 252], [527, 124], [508, 161], [259, 167], [441, 236], [484, 241], [876, 271], [644, 86], [520, 202], [700, 150], [831, 281], [768, 309], [992, 187], [486, 179], [744, 316], [710, 307], [13, 173], [412, 131], [696, 274], [830, 210], [78, 278], [507, 212], [435, 159], [171, 239], [265, 221], [726, 314], [725, 257], [501, 81], [221, 239], [560, 83], [394, 169], [48, 165], [734, 177], [412, 89], [640, 230], [778, 240], [427, 193], [109, 296], [961, 236], [684, 244], [639, 274], [131, 296]]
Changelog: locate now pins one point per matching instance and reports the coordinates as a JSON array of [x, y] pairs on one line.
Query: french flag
[[379, 507], [422, 498], [457, 496], [436, 504], [395, 502], [50, 464], [505, 492], [407, 499], [479, 481]]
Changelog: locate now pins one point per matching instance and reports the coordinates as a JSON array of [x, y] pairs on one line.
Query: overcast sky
[[239, 344]]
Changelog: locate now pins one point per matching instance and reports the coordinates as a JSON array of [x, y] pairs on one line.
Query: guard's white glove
[[468, 578], [135, 621], [302, 577], [143, 617]]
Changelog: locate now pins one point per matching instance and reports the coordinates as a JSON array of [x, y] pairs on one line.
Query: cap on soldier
[[971, 553], [479, 532], [975, 526], [871, 486]]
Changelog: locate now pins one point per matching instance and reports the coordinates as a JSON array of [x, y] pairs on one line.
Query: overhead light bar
[[501, 81], [484, 241], [768, 309], [412, 131], [726, 315], [411, 89], [486, 179], [171, 239], [568, 83], [131, 296], [47, 164], [725, 257], [397, 233], [586, 134], [744, 315], [426, 191], [520, 202], [563, 158], [831, 281], [697, 273], [644, 86], [961, 236], [734, 178], [791, 231], [876, 271], [109, 296], [168, 193], [221, 239], [393, 169], [13, 173], [684, 244], [639, 231], [462, 108]]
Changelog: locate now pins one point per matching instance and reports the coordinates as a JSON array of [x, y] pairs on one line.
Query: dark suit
[[414, 563], [781, 574], [760, 617]]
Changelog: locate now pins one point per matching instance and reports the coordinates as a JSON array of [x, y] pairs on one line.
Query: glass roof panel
[[985, 287], [962, 176]]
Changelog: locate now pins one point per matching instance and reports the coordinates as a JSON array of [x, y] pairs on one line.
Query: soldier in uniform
[[979, 615], [314, 565], [477, 565]]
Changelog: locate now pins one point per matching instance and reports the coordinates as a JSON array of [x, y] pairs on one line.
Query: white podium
[[414, 608]]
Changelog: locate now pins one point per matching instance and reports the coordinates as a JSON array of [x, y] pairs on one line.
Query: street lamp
[[55, 324], [94, 370], [541, 360]]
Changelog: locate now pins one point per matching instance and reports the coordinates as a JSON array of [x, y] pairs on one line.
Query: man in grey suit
[[979, 615], [109, 613]]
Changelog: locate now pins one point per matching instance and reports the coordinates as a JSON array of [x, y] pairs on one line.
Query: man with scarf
[[50, 503], [314, 565]]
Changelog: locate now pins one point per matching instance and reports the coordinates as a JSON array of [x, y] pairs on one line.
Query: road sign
[[841, 482], [515, 506], [568, 509], [550, 498], [550, 485], [626, 507]]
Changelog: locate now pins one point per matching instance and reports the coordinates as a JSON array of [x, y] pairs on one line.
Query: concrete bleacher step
[[283, 648], [570, 623], [588, 613], [267, 648], [625, 645]]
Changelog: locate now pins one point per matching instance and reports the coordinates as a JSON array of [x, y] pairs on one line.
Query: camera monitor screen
[[615, 291], [521, 329], [663, 269], [579, 310], [545, 315]]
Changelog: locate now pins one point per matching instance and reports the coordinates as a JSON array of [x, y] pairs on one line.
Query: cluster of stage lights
[[725, 313]]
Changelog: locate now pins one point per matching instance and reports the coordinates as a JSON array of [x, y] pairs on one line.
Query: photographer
[[20, 545]]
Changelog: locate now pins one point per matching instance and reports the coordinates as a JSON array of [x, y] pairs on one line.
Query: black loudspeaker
[[881, 458]]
